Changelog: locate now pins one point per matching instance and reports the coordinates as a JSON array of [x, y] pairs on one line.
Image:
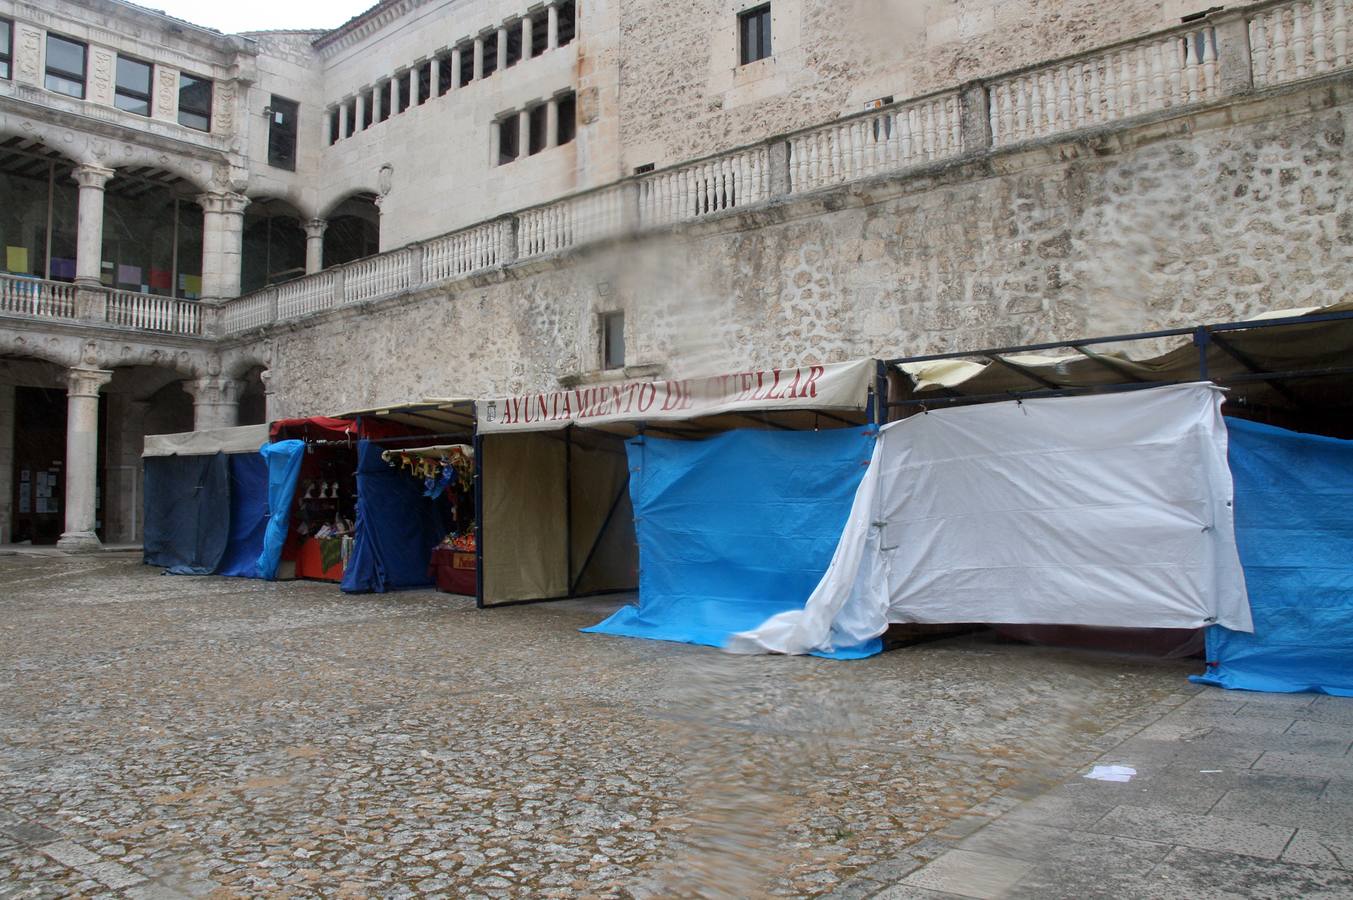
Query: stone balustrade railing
[[1225, 53]]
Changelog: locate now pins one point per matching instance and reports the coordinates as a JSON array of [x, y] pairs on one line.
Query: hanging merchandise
[[446, 472]]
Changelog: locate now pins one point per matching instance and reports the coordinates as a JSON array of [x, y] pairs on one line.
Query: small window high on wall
[[507, 140], [754, 34], [568, 118], [282, 133], [65, 66], [194, 102], [613, 340], [568, 26]]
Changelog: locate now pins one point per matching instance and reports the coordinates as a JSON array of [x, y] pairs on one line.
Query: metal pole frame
[[478, 520]]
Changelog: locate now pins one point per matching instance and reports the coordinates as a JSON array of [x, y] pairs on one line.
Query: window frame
[[566, 122], [119, 91], [211, 100], [49, 71], [509, 127], [538, 137], [7, 52], [568, 23], [755, 35], [275, 160]]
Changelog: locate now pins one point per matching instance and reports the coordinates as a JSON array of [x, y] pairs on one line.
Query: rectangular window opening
[[368, 109], [540, 31], [6, 48], [644, 169], [384, 89], [443, 74], [132, 89], [194, 102], [613, 340], [507, 140], [568, 25], [490, 53], [568, 118], [466, 63], [754, 34], [282, 133], [514, 42], [538, 116], [402, 90], [424, 82], [352, 118], [65, 66], [333, 126]]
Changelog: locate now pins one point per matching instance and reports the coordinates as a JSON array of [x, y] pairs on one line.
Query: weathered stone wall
[[684, 94], [1217, 216]]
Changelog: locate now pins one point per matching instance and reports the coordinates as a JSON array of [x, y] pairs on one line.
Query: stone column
[[552, 42], [1234, 60], [222, 237], [6, 462], [379, 100], [523, 134], [342, 119], [974, 117], [478, 57], [82, 457], [502, 48], [314, 245], [526, 36], [216, 401], [270, 408], [434, 76], [455, 68], [89, 228], [413, 86], [552, 122], [359, 108]]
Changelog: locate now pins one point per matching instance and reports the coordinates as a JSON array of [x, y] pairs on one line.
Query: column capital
[[315, 228], [223, 202], [213, 389], [82, 382], [91, 176]]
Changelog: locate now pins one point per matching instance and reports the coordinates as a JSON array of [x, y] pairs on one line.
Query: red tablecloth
[[454, 571], [310, 561]]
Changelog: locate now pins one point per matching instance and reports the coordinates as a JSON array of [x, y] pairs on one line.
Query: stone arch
[[273, 242], [353, 228], [39, 207]]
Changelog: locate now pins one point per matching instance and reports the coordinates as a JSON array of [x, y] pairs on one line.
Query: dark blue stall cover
[[1294, 528], [735, 529], [396, 530], [186, 523], [248, 514], [283, 459]]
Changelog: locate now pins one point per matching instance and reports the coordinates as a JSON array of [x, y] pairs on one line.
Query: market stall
[[711, 496], [189, 479]]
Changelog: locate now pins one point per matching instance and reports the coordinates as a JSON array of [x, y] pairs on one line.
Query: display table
[[453, 570], [314, 553]]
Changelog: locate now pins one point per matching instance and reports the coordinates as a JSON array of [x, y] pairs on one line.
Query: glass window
[[754, 34], [133, 86], [6, 47], [568, 118], [613, 340], [282, 132], [65, 66], [507, 140], [567, 22], [195, 102]]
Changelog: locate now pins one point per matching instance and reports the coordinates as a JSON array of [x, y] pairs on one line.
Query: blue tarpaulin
[[1294, 528], [736, 528], [184, 529], [284, 470], [396, 529], [248, 515]]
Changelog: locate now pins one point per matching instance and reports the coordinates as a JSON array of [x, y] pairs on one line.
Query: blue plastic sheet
[[736, 528], [248, 515], [284, 470], [397, 527], [1294, 528], [184, 529]]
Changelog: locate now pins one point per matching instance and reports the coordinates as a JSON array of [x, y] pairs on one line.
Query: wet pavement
[[164, 736]]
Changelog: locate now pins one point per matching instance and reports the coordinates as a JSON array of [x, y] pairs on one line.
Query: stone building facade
[[461, 198]]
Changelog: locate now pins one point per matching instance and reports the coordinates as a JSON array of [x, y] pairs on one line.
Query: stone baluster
[[1318, 36], [1209, 63], [1191, 66], [1279, 71], [1340, 33], [1298, 43]]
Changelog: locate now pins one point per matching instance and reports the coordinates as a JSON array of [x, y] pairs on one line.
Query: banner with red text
[[832, 386]]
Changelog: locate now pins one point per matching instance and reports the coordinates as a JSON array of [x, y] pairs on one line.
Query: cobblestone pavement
[[164, 736]]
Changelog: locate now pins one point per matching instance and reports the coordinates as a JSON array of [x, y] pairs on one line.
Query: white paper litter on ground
[[1104, 510], [1112, 773]]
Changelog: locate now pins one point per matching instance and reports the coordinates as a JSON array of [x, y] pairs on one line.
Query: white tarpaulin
[[842, 386], [240, 439], [1107, 510]]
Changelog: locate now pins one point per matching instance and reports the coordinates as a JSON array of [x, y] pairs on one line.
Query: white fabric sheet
[[210, 441], [1108, 510]]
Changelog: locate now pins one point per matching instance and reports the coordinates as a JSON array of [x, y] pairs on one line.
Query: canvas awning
[[435, 416], [240, 439], [802, 389]]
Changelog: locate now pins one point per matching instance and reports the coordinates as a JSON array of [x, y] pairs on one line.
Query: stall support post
[[880, 398], [568, 506], [478, 521], [1201, 340]]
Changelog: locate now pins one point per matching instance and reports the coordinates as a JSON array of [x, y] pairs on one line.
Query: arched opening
[[274, 244], [38, 211], [253, 408], [152, 234], [354, 230]]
